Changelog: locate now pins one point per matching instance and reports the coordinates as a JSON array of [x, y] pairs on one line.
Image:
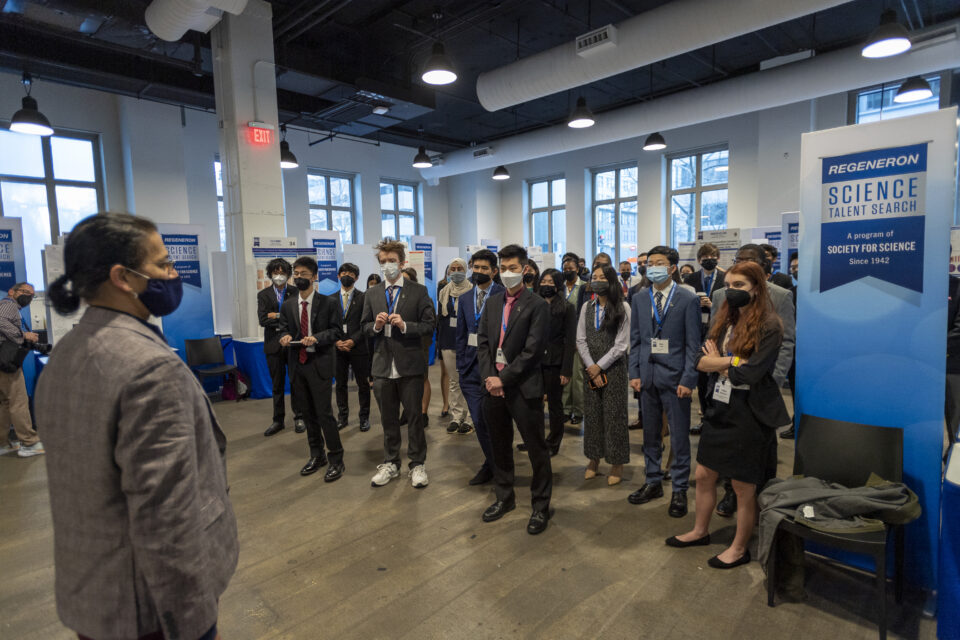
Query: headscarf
[[452, 288]]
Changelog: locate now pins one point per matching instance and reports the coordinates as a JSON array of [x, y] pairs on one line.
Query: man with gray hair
[[14, 404]]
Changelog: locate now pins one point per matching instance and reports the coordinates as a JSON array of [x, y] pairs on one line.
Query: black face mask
[[794, 274], [24, 300], [642, 269], [302, 283], [625, 275], [480, 278], [548, 290], [569, 276], [738, 298], [600, 287], [709, 263], [348, 281], [528, 278]]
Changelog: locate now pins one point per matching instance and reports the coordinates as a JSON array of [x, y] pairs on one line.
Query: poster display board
[[490, 243], [954, 251], [688, 254], [329, 255], [727, 241], [193, 319], [428, 244], [789, 234], [875, 215]]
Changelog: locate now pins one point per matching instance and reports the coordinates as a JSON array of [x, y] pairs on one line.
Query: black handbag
[[12, 356]]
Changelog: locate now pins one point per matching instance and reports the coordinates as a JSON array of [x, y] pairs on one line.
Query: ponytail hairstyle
[[94, 246]]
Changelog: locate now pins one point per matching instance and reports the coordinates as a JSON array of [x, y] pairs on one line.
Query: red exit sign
[[260, 135]]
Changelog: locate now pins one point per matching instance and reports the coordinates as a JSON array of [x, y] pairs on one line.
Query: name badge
[[501, 359], [387, 330], [345, 329], [472, 340], [453, 323], [721, 391], [705, 317], [660, 346]]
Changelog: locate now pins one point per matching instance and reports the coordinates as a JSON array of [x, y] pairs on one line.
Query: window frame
[[396, 213], [329, 208], [698, 189], [221, 205], [550, 209], [617, 201], [853, 97]]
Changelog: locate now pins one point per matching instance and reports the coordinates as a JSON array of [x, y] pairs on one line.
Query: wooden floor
[[345, 560]]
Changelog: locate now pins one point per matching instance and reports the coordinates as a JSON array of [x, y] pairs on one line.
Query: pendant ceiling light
[[287, 159], [889, 39], [501, 173], [913, 89], [28, 119], [654, 142], [422, 160], [582, 117], [438, 70]]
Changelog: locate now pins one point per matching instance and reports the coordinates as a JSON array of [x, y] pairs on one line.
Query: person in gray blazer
[[397, 313], [145, 539], [664, 347]]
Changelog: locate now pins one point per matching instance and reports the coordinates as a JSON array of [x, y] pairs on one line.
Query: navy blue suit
[[661, 374], [468, 366]]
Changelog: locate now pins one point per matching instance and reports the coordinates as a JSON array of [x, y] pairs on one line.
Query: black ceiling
[[339, 58]]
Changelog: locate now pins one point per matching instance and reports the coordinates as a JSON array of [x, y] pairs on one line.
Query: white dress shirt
[[309, 302], [620, 343], [394, 374]]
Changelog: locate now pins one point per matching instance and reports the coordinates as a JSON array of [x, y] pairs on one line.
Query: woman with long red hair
[[738, 436]]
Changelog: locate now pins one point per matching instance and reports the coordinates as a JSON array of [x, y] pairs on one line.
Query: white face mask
[[511, 279], [390, 270], [279, 279]]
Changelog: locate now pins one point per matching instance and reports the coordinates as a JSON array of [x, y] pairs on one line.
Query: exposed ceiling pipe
[[670, 30], [815, 77], [171, 19]]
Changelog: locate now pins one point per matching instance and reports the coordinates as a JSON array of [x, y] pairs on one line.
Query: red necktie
[[503, 326], [304, 331]]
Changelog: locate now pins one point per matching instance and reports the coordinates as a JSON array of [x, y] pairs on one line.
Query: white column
[[246, 91]]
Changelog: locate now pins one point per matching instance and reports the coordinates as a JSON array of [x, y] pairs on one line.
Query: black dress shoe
[[576, 419], [454, 426], [465, 429], [364, 425], [274, 429], [554, 451], [499, 509], [334, 472], [483, 476], [728, 505], [696, 430], [678, 504], [673, 541], [341, 425], [636, 425], [444, 414], [403, 419], [426, 421], [789, 434], [538, 522], [313, 465], [646, 493], [521, 447], [717, 563], [299, 425]]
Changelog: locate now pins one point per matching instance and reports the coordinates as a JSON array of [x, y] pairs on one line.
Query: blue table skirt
[[251, 361]]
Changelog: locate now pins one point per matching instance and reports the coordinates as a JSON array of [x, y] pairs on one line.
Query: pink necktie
[[304, 332], [503, 326]]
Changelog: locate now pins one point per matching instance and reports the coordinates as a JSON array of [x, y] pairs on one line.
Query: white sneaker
[[418, 477], [385, 473], [34, 449], [10, 448]]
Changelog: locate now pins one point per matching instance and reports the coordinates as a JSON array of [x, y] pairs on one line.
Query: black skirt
[[735, 444]]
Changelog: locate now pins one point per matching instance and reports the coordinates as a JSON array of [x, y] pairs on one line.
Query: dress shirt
[[309, 302], [666, 296], [11, 324], [394, 374], [620, 343]]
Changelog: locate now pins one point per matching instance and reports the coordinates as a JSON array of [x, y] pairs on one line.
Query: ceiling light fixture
[[28, 119], [582, 117], [912, 90], [501, 173], [422, 160], [889, 39], [381, 109], [438, 70], [287, 159], [654, 142]]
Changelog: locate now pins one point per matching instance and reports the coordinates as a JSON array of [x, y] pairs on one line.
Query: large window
[[50, 183], [548, 214], [332, 203], [877, 103], [398, 210], [615, 212], [697, 193], [221, 218]]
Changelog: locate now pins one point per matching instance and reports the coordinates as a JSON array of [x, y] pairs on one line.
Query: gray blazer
[[144, 534], [783, 304], [406, 349]]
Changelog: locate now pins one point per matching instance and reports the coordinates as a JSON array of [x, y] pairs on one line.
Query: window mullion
[[52, 210]]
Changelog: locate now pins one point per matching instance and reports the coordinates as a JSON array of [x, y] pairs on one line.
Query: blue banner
[[872, 215], [427, 248], [774, 239], [8, 271], [184, 250], [327, 263]]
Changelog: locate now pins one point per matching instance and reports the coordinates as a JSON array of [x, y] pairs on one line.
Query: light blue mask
[[658, 274]]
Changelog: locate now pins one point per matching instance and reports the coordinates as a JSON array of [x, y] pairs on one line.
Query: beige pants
[[15, 408], [458, 406]]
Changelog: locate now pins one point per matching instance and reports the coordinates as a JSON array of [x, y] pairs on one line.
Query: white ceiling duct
[[170, 19], [669, 30], [820, 76]]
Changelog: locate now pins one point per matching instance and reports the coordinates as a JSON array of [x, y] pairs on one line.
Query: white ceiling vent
[[597, 40]]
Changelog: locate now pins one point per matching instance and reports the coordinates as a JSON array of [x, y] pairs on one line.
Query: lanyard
[[666, 308], [598, 314], [570, 293], [479, 312], [708, 283], [281, 294], [343, 312], [455, 302], [391, 302]]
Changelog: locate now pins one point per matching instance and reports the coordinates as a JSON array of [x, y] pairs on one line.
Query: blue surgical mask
[[658, 274], [161, 297], [457, 277]]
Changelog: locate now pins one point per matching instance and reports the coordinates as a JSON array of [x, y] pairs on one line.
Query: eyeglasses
[[168, 266]]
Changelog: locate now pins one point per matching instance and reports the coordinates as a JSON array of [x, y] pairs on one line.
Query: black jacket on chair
[[353, 320], [405, 349], [562, 340], [524, 342], [266, 304], [324, 326]]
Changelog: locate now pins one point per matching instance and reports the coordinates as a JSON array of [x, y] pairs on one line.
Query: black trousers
[[392, 393], [312, 386], [500, 414], [551, 381], [277, 363], [360, 362]]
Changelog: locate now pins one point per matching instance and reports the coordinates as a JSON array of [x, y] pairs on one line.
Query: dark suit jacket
[[267, 303], [405, 349], [953, 326], [324, 326], [523, 344], [696, 281], [681, 327], [561, 340], [467, 363], [353, 319]]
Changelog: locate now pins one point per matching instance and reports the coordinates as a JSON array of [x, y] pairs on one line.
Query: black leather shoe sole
[[334, 473], [538, 522], [644, 495], [672, 541], [635, 426], [677, 511], [300, 427], [341, 426], [273, 430], [695, 431], [364, 427], [454, 426], [789, 434], [497, 510], [717, 563], [310, 469]]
